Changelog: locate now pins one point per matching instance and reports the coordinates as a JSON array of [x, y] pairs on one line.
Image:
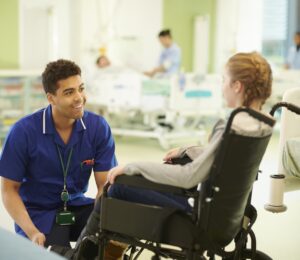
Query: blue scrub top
[[293, 59], [30, 156], [170, 59]]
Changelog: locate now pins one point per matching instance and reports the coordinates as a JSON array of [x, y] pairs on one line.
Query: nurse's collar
[[44, 122]]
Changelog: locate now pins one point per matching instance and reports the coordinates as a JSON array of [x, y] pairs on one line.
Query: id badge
[[65, 218]]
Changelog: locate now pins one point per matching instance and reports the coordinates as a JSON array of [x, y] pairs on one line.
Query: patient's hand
[[173, 153], [114, 172]]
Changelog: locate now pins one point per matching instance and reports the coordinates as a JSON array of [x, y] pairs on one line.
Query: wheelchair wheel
[[262, 256], [87, 250], [246, 254]]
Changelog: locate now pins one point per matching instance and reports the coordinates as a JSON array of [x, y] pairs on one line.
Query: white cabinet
[[21, 93]]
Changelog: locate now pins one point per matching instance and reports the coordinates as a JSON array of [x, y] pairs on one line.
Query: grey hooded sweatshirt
[[195, 172]]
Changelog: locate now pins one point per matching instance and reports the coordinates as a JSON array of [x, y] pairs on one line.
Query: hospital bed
[[287, 177], [166, 109]]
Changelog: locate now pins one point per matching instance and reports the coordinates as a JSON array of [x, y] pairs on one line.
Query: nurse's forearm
[[16, 208], [100, 178], [159, 69]]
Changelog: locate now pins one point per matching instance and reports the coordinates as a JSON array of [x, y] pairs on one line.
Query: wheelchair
[[221, 212]]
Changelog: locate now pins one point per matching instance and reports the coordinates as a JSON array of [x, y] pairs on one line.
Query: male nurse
[[48, 157]]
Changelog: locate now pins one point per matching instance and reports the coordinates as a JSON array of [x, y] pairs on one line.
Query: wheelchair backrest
[[224, 196]]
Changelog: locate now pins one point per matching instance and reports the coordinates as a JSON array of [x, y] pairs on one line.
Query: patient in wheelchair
[[247, 82]]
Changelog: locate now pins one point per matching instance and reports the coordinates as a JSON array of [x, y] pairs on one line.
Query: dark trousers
[[63, 235], [148, 197]]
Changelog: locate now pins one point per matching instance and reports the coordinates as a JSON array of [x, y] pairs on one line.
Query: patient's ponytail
[[254, 72]]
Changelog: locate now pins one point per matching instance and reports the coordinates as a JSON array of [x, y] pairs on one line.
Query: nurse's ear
[[50, 98]]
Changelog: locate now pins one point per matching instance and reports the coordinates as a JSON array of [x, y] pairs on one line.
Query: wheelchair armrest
[[139, 181]]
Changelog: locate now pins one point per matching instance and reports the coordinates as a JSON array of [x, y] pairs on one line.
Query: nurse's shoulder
[[31, 123], [94, 120]]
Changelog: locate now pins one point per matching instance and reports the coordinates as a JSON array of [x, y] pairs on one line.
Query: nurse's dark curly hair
[[58, 70], [255, 73]]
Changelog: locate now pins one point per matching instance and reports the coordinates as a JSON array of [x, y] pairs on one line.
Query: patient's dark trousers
[[149, 197], [137, 195]]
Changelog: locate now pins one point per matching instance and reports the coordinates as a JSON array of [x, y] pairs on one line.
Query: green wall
[[178, 15], [9, 34]]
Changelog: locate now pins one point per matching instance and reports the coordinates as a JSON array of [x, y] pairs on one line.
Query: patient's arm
[[185, 176], [194, 151], [191, 151]]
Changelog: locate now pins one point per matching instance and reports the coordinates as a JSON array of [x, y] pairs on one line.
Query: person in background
[[170, 57], [48, 157], [293, 58], [102, 62]]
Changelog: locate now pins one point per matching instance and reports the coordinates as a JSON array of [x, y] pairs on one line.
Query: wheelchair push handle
[[255, 114], [293, 108]]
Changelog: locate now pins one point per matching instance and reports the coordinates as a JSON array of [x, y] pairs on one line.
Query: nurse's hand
[[38, 238], [149, 73], [114, 172], [173, 153]]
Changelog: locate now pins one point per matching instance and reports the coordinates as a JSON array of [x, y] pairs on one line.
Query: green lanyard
[[64, 194]]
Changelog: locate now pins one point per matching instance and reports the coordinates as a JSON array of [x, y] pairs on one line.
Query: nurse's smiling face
[[69, 99]]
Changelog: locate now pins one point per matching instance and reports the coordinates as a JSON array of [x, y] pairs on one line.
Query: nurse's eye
[[68, 93], [81, 89]]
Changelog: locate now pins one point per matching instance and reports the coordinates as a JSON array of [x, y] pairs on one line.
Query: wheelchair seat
[[221, 213]]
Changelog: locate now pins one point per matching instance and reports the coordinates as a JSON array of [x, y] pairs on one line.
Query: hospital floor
[[278, 235]]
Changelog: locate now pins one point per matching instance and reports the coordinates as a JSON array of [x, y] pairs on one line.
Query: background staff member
[[170, 57], [48, 157], [293, 58]]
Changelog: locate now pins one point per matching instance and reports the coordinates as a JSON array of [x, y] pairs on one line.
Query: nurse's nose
[[78, 95]]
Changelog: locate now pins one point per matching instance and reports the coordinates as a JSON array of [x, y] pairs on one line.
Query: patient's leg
[[149, 197]]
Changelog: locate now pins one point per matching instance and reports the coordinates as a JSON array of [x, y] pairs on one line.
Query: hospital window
[[275, 30]]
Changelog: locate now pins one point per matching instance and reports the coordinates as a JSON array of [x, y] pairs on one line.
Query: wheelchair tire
[[262, 256], [246, 254]]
